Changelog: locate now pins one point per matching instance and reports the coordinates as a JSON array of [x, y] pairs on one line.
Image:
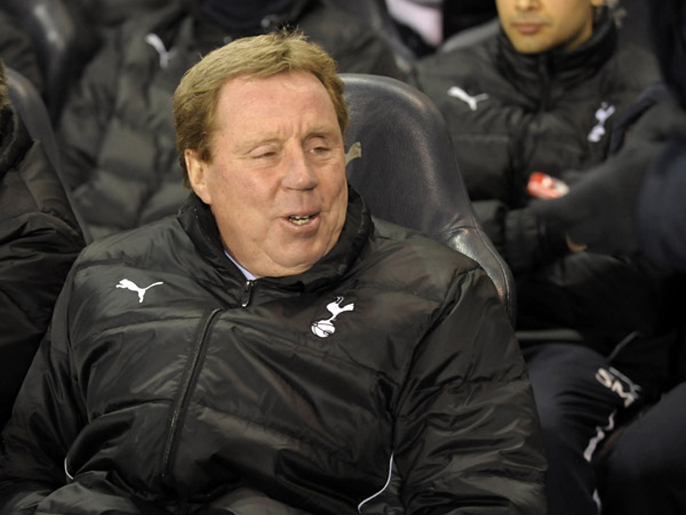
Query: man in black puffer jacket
[[116, 130], [543, 96], [39, 240], [273, 348]]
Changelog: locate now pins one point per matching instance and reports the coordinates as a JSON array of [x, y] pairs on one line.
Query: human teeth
[[299, 220]]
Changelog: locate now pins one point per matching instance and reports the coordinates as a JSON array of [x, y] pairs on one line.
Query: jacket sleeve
[[600, 209], [467, 432], [39, 241], [661, 209], [32, 271], [46, 419], [525, 240]]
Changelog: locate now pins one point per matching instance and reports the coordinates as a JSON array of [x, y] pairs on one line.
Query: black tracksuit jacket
[[171, 384]]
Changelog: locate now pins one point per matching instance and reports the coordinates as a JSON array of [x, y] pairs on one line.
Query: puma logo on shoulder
[[130, 285], [468, 99]]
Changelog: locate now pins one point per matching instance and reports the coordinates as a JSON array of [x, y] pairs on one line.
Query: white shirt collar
[[244, 271]]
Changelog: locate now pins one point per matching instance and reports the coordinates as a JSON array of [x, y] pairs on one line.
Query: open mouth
[[300, 219]]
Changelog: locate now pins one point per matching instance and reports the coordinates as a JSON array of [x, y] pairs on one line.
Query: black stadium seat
[[64, 41], [29, 106], [408, 174]]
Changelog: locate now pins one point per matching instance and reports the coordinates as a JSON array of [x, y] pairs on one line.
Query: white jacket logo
[[156, 42], [620, 384], [130, 285], [602, 114], [471, 101], [324, 328]]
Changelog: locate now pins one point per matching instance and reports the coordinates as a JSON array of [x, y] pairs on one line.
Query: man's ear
[[197, 175]]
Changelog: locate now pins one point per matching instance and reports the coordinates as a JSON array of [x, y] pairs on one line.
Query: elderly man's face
[[535, 26], [276, 184]]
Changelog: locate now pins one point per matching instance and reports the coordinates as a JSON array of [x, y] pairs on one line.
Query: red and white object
[[544, 186]]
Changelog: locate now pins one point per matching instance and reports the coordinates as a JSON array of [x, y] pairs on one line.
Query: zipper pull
[[247, 293]]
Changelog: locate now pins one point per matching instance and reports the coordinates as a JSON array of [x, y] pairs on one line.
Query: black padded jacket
[[171, 384], [39, 240]]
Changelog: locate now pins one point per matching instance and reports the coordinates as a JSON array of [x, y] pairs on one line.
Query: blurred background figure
[[634, 203], [109, 14], [39, 240]]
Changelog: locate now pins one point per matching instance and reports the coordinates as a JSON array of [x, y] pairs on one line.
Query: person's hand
[[575, 247]]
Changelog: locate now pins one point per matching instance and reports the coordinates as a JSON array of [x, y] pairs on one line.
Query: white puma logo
[[324, 328], [471, 101], [156, 42], [130, 285]]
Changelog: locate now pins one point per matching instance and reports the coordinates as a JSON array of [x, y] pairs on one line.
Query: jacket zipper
[[185, 389], [246, 296]]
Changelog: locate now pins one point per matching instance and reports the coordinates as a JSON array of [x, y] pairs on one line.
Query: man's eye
[[320, 149]]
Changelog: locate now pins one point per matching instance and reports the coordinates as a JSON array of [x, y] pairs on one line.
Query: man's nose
[[299, 174], [525, 5]]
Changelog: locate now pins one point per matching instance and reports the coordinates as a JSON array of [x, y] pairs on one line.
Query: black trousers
[[579, 397], [645, 469]]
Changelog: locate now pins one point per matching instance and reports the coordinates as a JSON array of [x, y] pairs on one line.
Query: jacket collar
[[557, 70], [197, 220]]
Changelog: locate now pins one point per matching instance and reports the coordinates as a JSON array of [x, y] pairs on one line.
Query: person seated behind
[[39, 240], [273, 344], [18, 52], [543, 96], [116, 131]]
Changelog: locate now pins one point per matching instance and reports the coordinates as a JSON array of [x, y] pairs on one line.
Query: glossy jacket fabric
[[170, 384], [117, 128], [39, 240]]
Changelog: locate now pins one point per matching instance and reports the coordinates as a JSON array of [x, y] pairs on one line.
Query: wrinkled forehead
[[291, 101]]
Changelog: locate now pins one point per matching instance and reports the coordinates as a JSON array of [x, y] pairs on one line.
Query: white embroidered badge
[[602, 114], [325, 328]]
